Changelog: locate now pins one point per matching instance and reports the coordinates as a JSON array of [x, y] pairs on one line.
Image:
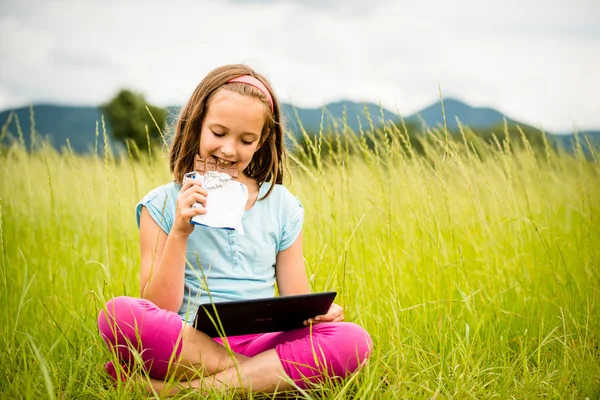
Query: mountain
[[79, 123], [567, 141], [311, 117], [58, 123], [474, 117]]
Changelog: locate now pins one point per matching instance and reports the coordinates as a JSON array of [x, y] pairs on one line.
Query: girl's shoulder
[[286, 212], [280, 196], [160, 203], [162, 192]]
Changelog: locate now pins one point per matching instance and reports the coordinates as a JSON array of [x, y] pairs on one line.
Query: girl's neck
[[251, 183], [252, 186]]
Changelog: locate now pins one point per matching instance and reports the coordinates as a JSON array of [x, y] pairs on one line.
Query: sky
[[535, 61]]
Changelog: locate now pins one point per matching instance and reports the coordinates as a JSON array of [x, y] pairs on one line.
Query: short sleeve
[[160, 204], [293, 215]]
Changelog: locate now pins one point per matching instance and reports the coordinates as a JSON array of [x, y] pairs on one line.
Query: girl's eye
[[218, 134], [247, 143]]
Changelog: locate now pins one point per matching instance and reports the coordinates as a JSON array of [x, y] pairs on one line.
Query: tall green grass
[[474, 266]]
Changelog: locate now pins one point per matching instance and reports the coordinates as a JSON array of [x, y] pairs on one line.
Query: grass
[[474, 266]]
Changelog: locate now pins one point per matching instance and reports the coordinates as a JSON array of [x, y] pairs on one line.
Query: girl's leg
[[165, 344], [327, 350], [262, 373], [200, 353], [333, 350]]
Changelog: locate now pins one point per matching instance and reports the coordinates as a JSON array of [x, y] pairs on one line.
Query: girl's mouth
[[225, 163]]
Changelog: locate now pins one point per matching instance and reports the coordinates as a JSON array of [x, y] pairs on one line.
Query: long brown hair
[[267, 164]]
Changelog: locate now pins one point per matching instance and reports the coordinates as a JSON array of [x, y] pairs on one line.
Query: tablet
[[272, 314]]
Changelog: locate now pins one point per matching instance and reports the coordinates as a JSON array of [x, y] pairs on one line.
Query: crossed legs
[[268, 362], [169, 348]]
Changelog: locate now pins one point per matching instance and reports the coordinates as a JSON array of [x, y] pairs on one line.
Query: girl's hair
[[267, 164]]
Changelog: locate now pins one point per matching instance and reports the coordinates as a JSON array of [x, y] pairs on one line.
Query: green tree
[[128, 117]]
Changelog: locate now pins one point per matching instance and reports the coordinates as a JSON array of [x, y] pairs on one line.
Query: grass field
[[474, 267]]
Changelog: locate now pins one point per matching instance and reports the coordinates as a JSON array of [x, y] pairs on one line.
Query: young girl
[[233, 117]]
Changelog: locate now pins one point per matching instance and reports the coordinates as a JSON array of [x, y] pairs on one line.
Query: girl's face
[[232, 128]]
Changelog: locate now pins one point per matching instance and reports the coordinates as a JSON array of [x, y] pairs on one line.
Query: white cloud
[[534, 62]]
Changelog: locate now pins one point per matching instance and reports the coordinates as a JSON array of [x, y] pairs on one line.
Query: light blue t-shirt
[[230, 265]]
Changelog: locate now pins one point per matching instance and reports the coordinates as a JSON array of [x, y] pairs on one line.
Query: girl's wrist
[[179, 234]]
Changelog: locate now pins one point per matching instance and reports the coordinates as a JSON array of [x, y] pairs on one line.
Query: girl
[[233, 117]]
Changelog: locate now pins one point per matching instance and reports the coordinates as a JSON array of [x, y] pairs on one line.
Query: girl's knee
[[333, 350], [129, 325], [117, 315], [122, 319], [351, 346]]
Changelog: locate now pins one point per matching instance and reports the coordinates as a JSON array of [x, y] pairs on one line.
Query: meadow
[[474, 266]]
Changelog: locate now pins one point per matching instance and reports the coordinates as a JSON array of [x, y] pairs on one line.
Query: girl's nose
[[228, 150]]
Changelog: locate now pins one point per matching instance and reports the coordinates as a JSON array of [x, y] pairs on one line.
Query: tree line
[[133, 119]]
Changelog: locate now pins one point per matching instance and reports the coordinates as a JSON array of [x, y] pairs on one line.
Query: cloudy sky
[[536, 61]]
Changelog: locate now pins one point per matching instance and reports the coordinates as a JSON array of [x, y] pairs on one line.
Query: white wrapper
[[225, 204]]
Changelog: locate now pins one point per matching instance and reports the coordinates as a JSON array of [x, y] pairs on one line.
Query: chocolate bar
[[203, 165]]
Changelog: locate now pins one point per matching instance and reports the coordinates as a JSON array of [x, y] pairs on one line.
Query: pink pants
[[332, 350]]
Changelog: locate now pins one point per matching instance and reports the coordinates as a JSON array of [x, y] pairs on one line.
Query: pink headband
[[252, 81]]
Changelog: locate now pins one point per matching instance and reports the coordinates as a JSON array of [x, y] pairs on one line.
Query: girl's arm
[[162, 276], [292, 279], [290, 271], [163, 264]]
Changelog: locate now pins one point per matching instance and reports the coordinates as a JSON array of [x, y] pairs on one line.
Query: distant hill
[[79, 123], [568, 141], [311, 117], [59, 123], [474, 117]]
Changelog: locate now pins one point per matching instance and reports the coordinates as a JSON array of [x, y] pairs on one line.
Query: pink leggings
[[331, 349]]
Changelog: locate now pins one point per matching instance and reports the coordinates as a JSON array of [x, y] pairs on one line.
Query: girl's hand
[[191, 192], [335, 314]]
